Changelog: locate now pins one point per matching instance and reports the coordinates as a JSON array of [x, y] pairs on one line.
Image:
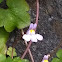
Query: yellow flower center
[[45, 60], [31, 31]]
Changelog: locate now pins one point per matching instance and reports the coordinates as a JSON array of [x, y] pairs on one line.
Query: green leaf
[[9, 59], [59, 53], [9, 52], [3, 39], [1, 1], [3, 36], [60, 60], [24, 60], [15, 16], [17, 59], [2, 58], [55, 60], [3, 49]]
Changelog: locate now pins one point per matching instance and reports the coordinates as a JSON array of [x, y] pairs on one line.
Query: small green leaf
[[3, 49], [9, 59], [1, 1], [24, 60], [59, 53], [55, 60], [2, 58], [17, 59], [9, 52], [3, 36], [3, 39], [60, 60]]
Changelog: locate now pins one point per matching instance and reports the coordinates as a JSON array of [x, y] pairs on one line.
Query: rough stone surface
[[50, 26]]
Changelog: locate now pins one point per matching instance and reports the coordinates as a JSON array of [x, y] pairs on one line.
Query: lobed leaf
[[15, 16], [9, 52], [17, 59], [2, 58], [3, 39], [1, 1], [24, 60], [55, 60], [59, 54], [3, 49], [3, 36], [9, 59]]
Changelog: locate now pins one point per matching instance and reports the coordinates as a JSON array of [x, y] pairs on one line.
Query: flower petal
[[33, 38], [34, 26], [31, 26], [39, 37], [26, 37], [45, 58], [28, 32]]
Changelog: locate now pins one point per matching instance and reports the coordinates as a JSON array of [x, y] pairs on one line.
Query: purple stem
[[30, 53], [37, 15], [26, 50]]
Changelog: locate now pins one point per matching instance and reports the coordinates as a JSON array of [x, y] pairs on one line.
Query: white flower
[[30, 35]]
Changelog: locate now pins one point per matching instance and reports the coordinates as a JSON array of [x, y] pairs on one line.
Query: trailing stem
[[37, 15], [15, 42], [37, 12], [28, 49]]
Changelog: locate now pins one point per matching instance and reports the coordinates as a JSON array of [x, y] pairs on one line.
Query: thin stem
[[28, 49], [30, 52], [37, 13], [12, 54], [15, 42]]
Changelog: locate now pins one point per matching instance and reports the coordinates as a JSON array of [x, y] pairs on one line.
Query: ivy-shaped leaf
[[9, 52], [17, 59], [2, 58], [15, 16], [3, 39], [59, 54], [55, 60], [9, 59], [3, 36], [24, 60], [1, 1], [3, 49]]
